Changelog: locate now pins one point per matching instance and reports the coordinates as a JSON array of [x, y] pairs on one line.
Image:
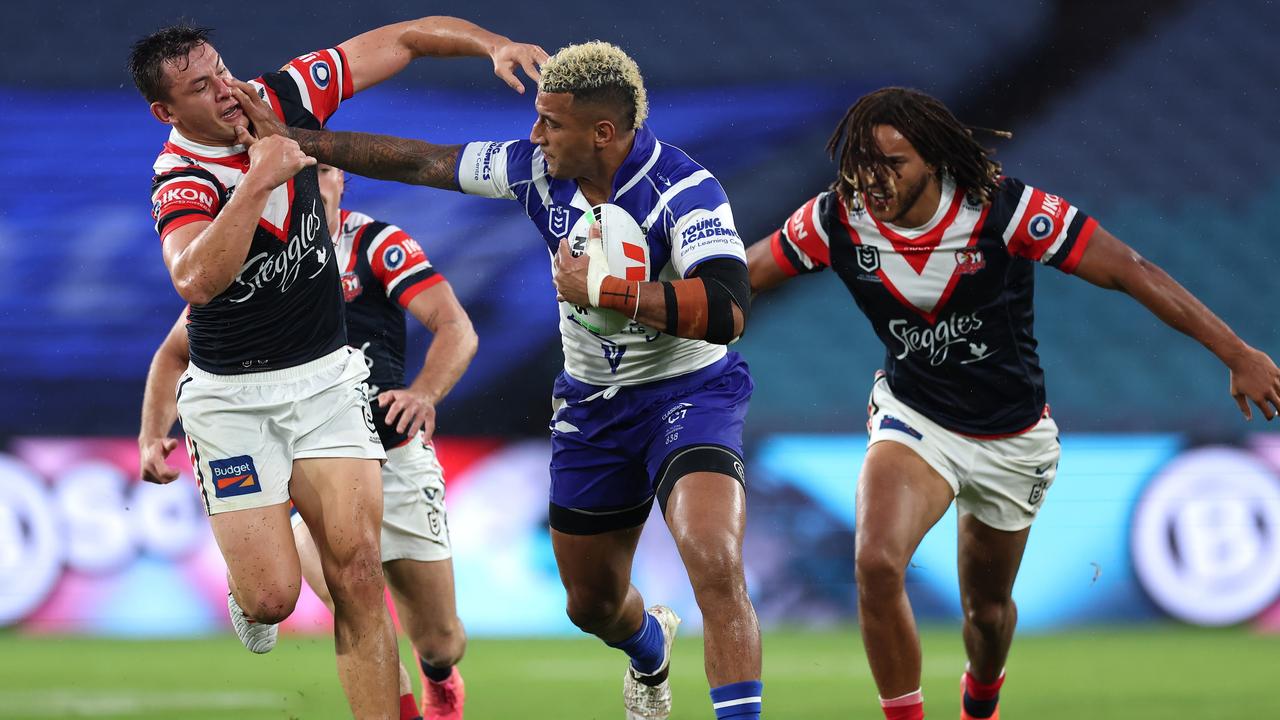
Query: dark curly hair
[[942, 141], [150, 54]]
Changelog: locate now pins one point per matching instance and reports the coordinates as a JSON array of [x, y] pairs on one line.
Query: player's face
[[332, 183], [567, 138], [893, 196], [200, 104]]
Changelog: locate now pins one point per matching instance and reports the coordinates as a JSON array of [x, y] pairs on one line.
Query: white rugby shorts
[[1001, 481], [244, 431], [414, 523]]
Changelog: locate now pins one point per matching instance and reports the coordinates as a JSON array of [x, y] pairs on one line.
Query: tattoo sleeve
[[383, 157]]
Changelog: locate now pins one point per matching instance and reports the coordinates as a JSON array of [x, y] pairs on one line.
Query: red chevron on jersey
[[918, 250], [323, 79]]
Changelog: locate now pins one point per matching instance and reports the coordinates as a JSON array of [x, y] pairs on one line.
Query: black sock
[[979, 708], [435, 674]]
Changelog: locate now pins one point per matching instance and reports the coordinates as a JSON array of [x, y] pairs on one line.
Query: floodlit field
[[1164, 672]]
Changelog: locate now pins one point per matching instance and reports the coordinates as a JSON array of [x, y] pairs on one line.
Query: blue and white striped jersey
[[678, 204]]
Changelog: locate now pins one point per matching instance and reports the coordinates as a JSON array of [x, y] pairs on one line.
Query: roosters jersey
[[951, 300], [677, 203], [284, 306], [383, 270]]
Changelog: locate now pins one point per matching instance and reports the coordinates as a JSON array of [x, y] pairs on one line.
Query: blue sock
[[645, 647], [740, 700]]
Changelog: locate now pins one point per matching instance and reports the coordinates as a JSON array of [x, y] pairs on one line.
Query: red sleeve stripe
[[348, 89], [1077, 250], [775, 244], [804, 230], [184, 220], [416, 289]]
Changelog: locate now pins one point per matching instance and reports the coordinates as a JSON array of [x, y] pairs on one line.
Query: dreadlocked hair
[[942, 141]]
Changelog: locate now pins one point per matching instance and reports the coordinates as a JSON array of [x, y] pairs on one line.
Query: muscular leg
[[989, 561], [314, 576], [424, 596], [341, 501], [706, 513], [264, 579], [899, 498], [596, 573]]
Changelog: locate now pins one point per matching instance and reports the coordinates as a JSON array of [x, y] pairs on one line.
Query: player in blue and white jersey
[[939, 250], [654, 411], [274, 404]]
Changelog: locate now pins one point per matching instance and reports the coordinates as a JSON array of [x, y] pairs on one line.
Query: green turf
[[1132, 674]]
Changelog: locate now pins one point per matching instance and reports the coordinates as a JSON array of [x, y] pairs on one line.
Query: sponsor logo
[[558, 220], [185, 196], [676, 413], [281, 270], [712, 227], [970, 261], [393, 257], [234, 476], [486, 160], [351, 287], [889, 422], [741, 471], [320, 74], [868, 258], [937, 341]]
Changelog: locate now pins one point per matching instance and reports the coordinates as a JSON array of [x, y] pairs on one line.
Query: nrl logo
[[868, 258]]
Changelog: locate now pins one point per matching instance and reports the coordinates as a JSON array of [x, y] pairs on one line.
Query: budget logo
[[234, 476]]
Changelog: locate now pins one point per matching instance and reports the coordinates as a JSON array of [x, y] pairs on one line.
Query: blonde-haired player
[[653, 411]]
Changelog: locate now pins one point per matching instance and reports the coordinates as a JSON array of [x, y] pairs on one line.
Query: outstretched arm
[[382, 157], [378, 54], [1109, 263], [160, 405], [766, 273]]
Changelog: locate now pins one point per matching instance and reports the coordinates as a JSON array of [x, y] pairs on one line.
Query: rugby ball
[[609, 234]]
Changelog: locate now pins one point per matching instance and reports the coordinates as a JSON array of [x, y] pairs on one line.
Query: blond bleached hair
[[597, 71]]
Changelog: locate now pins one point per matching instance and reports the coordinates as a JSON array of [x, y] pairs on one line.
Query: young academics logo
[[234, 476]]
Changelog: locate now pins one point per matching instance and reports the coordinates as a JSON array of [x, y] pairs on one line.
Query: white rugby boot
[[648, 697], [257, 637]]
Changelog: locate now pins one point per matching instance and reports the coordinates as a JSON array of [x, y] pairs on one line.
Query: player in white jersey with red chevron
[[650, 406], [274, 404], [939, 250]]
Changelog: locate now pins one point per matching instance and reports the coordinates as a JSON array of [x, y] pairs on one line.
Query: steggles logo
[[936, 342], [283, 269]]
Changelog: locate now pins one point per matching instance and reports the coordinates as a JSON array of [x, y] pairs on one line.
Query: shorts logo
[[320, 74], [393, 257], [1037, 492], [1040, 227], [970, 261], [234, 476], [868, 258], [889, 422]]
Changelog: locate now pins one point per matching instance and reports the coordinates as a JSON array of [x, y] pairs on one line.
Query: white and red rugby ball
[[626, 255]]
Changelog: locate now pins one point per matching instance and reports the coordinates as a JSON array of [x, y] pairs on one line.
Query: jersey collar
[[644, 153], [203, 152]]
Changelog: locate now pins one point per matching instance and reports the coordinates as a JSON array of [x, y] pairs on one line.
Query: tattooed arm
[[382, 157]]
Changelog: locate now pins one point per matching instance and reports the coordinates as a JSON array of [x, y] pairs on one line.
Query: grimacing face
[[566, 135], [891, 198], [199, 102]]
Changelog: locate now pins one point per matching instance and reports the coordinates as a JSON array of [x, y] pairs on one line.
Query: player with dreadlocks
[[938, 250]]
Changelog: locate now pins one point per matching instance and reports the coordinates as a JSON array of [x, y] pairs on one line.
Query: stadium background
[[1157, 118]]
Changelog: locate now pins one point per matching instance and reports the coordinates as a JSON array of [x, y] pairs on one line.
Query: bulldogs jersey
[[284, 307], [383, 270], [680, 207], [952, 300]]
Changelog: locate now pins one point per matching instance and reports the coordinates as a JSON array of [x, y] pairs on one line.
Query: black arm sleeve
[[728, 284]]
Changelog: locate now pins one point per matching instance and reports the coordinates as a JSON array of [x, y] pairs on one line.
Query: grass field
[[1132, 674]]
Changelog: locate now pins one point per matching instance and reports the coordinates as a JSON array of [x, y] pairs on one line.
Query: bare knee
[[268, 605], [714, 564], [442, 646], [990, 614], [593, 611], [878, 571], [355, 578]]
